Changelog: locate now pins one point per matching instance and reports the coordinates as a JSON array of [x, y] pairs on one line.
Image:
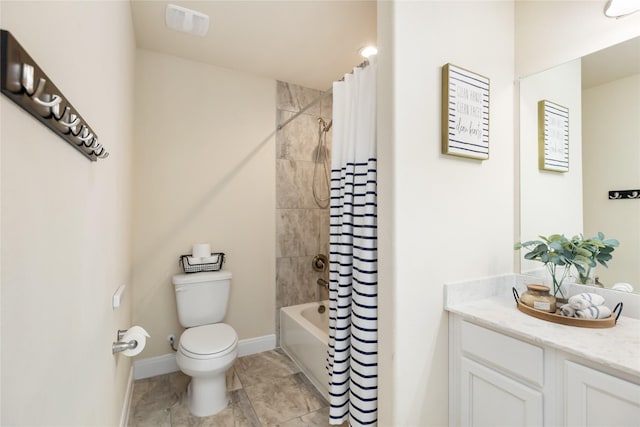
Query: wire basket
[[196, 268]]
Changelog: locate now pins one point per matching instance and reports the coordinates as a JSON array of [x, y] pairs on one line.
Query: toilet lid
[[208, 339]]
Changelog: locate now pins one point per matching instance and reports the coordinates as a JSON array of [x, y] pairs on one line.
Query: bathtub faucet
[[323, 283]]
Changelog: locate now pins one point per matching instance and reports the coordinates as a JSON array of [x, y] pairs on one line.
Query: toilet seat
[[208, 341]]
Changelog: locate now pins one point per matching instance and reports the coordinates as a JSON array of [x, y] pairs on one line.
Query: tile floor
[[265, 389]]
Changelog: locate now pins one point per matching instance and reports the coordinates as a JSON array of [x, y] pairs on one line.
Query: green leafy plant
[[601, 252], [558, 251]]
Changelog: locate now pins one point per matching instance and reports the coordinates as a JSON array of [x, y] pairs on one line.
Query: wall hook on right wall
[[624, 194]]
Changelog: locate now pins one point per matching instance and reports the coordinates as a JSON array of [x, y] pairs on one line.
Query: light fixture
[[367, 51], [620, 8], [186, 20]]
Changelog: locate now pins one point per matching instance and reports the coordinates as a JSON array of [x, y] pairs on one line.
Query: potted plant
[[601, 252], [558, 251]]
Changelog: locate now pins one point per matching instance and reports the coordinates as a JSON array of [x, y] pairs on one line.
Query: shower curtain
[[352, 359]]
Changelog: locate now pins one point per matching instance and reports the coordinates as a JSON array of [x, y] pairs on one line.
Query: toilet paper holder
[[120, 345]]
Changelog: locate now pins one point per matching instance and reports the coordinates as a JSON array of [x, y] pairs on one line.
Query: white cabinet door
[[594, 398], [489, 398]]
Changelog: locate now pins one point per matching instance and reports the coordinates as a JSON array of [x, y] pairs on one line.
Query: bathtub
[[304, 336]]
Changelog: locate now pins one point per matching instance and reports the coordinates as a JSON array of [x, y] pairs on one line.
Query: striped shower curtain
[[352, 359]]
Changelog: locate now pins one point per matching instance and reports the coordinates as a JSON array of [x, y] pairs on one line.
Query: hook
[[55, 110], [87, 136], [39, 89], [40, 92], [55, 101], [73, 119], [59, 119], [103, 154], [79, 132], [27, 78], [80, 136]]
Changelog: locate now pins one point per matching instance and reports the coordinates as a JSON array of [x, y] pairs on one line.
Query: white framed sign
[[553, 136], [465, 113]]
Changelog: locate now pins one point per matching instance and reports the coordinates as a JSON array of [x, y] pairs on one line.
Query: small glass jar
[[538, 297]]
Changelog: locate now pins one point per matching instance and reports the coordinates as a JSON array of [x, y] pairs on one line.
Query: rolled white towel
[[624, 287], [594, 312], [584, 300], [567, 310], [192, 260]]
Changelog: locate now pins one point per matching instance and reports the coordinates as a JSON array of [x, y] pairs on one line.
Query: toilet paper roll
[[201, 250], [209, 259], [194, 261], [138, 334]]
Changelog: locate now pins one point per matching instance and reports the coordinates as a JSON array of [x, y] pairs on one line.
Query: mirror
[[602, 94]]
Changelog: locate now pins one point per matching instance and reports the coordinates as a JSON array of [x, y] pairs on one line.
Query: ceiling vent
[[186, 20]]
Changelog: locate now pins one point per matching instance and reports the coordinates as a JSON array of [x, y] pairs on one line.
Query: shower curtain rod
[[311, 104], [318, 99]]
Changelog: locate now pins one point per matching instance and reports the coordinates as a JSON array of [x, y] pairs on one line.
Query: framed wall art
[[465, 113], [553, 136]]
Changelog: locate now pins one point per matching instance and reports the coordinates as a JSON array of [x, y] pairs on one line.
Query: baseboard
[[165, 364], [126, 404], [256, 345], [154, 366]]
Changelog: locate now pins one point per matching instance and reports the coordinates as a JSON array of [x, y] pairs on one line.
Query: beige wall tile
[[299, 138], [294, 179], [296, 281], [302, 226], [323, 230], [297, 232], [294, 98]]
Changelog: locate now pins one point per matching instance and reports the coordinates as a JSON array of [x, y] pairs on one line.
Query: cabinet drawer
[[510, 355]]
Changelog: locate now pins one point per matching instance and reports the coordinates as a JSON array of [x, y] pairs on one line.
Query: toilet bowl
[[208, 347], [205, 353]]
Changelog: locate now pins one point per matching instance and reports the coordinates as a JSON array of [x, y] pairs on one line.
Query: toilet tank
[[202, 298]]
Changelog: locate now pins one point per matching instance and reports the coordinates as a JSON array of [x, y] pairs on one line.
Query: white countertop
[[617, 347]]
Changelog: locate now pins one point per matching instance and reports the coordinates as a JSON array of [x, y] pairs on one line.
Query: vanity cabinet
[[595, 398], [498, 380], [490, 398]]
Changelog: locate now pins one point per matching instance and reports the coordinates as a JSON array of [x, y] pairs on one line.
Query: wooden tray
[[556, 317]]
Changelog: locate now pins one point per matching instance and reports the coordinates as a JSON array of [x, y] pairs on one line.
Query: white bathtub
[[304, 336]]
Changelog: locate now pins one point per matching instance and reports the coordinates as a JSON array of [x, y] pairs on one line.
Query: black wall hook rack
[[624, 194], [22, 81]]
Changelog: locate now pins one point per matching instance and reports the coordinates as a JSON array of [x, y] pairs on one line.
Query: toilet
[[207, 348]]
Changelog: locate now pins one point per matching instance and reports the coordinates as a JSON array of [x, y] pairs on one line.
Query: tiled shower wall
[[302, 227]]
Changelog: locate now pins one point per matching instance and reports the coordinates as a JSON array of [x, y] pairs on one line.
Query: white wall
[[204, 172], [551, 32], [66, 221], [551, 202], [442, 218], [611, 162]]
